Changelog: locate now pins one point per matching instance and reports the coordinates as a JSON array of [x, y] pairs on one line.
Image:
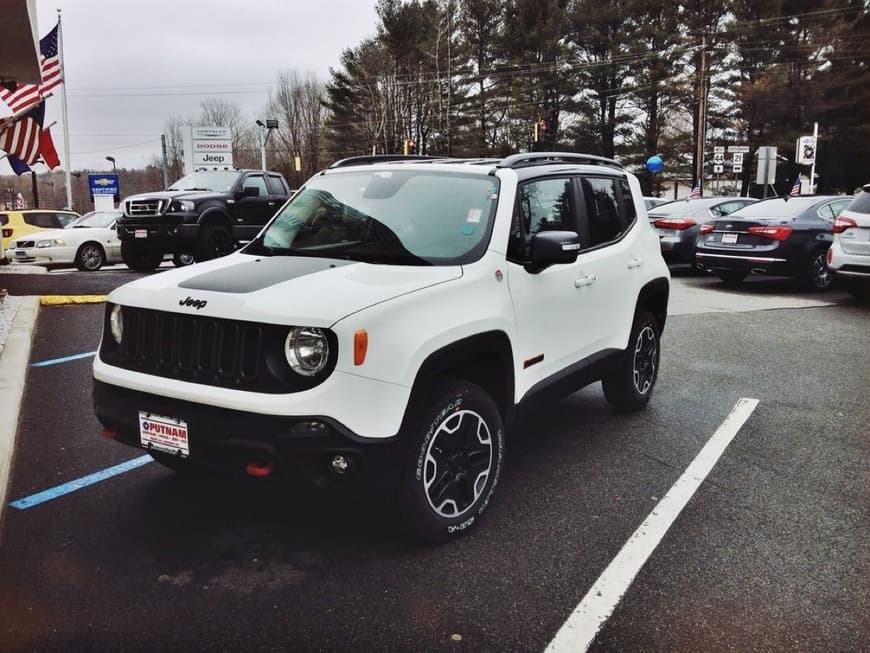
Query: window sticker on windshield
[[467, 230], [492, 194], [474, 215]]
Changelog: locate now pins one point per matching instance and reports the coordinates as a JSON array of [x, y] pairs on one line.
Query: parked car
[[783, 236], [849, 256], [388, 324], [650, 202], [20, 222], [678, 223], [88, 243]]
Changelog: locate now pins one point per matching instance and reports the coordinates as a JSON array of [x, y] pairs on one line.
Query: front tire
[[140, 258], [629, 386], [213, 241], [452, 462], [90, 257]]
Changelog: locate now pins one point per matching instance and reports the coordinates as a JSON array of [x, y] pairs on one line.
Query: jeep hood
[[279, 290]]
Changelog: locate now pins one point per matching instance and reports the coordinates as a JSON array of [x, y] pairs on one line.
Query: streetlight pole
[[112, 160], [265, 129]]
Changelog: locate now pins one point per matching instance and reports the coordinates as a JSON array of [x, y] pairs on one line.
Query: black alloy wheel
[[90, 257], [140, 258], [453, 462], [629, 385], [818, 276], [214, 241]]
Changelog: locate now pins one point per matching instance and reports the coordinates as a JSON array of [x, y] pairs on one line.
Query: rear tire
[[140, 258], [818, 276], [90, 257], [182, 259], [629, 386], [452, 462], [213, 241], [731, 279]]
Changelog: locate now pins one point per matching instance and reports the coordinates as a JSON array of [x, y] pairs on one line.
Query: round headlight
[[116, 323], [306, 350]]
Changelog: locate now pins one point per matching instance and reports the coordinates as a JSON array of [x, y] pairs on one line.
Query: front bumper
[[165, 230], [854, 266], [230, 440], [42, 255]]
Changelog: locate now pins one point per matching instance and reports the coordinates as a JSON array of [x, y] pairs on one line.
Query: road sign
[[738, 168], [719, 157], [740, 149], [718, 169], [738, 158], [719, 149]]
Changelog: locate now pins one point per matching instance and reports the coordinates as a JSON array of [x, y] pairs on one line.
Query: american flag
[[22, 138], [795, 187], [23, 96], [696, 191]]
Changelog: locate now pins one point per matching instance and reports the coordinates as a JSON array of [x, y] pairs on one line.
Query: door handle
[[634, 263], [588, 280]]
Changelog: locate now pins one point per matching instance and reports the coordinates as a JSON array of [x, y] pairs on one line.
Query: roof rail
[[371, 159], [529, 159]]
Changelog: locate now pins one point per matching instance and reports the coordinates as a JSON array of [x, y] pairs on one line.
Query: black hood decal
[[259, 273]]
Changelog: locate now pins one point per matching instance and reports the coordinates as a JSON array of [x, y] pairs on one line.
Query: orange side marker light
[[360, 346]]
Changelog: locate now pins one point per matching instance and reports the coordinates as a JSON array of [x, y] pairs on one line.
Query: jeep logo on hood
[[190, 301]]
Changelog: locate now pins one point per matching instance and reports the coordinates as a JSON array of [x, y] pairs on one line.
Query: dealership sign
[[207, 148]]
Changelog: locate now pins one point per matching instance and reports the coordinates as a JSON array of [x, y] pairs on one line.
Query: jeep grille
[[144, 207], [212, 351]]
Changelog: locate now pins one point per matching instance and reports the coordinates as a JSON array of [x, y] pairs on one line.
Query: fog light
[[340, 464]]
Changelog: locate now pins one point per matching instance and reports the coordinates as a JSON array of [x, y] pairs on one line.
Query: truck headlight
[[116, 324], [40, 244], [182, 205], [306, 350]]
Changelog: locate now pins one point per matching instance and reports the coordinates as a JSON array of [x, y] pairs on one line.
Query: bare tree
[[297, 103]]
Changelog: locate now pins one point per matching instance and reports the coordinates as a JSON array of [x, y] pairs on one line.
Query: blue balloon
[[655, 164]]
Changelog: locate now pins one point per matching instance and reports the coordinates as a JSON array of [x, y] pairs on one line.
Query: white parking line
[[578, 632]]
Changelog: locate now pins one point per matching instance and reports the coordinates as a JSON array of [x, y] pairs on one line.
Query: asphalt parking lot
[[770, 553]]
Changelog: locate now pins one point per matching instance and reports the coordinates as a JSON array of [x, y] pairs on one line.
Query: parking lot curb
[[61, 300], [13, 374]]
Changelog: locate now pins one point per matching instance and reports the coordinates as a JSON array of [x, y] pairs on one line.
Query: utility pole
[[165, 163], [702, 116], [815, 156]]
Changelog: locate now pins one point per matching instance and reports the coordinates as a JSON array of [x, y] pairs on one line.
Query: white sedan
[[88, 243]]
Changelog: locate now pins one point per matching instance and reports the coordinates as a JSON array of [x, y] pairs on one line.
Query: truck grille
[[144, 207]]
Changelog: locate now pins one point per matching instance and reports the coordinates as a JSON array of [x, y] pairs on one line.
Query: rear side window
[[43, 220], [860, 204], [602, 210], [257, 181], [628, 210], [276, 185], [832, 210]]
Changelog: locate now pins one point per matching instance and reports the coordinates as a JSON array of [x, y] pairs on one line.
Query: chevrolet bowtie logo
[[103, 181]]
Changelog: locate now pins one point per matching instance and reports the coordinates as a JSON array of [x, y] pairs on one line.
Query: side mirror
[[552, 248], [251, 191]]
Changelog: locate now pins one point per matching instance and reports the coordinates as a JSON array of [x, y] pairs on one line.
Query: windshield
[[94, 219], [400, 217], [776, 208], [217, 180]]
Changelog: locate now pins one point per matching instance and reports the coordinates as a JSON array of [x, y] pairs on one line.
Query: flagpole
[[65, 121]]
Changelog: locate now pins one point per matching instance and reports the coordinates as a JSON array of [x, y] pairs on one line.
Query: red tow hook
[[260, 468]]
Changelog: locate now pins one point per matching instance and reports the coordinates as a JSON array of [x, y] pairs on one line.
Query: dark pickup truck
[[201, 216]]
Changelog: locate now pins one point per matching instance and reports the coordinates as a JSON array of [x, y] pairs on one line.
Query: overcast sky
[[130, 65]]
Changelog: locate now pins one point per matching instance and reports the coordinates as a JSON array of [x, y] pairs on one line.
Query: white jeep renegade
[[388, 324]]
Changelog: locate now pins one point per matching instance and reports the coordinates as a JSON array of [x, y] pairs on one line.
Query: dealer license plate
[[20, 253], [729, 239], [140, 233], [163, 433]]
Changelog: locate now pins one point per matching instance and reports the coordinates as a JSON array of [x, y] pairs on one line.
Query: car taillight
[[774, 233], [674, 223], [707, 228], [7, 233], [841, 224]]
